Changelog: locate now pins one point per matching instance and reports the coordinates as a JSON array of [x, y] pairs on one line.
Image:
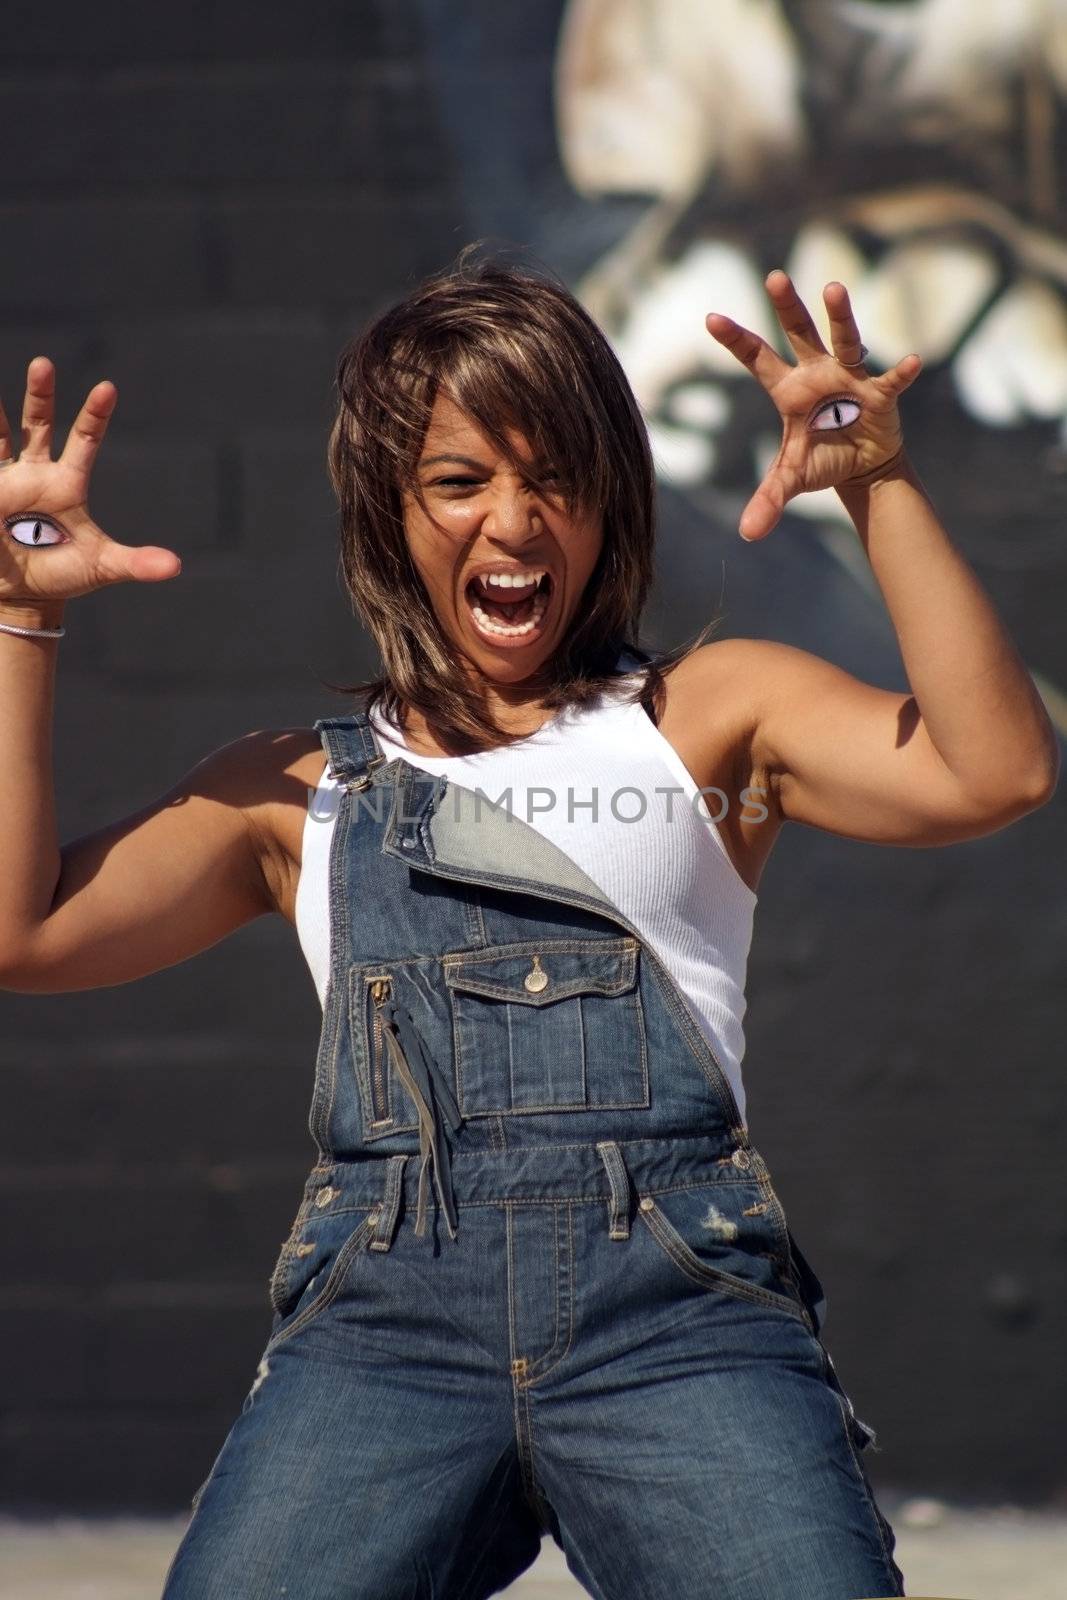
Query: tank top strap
[[351, 747]]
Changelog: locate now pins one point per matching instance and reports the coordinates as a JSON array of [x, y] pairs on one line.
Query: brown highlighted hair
[[515, 350]]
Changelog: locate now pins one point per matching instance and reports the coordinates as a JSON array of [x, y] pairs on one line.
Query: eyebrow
[[466, 461]]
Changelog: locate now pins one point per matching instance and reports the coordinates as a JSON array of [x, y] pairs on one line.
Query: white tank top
[[652, 846]]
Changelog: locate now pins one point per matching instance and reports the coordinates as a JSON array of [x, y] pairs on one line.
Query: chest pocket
[[555, 1025]]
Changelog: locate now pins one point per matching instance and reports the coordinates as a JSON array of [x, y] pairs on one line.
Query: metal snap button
[[304, 1249], [537, 978], [407, 844], [324, 1196], [742, 1159], [646, 1202]]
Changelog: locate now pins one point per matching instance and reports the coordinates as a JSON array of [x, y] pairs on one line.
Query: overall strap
[[351, 748]]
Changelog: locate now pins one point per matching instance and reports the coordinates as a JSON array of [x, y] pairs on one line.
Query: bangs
[[513, 376], [515, 390]]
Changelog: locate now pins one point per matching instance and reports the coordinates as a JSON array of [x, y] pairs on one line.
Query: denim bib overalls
[[540, 1279]]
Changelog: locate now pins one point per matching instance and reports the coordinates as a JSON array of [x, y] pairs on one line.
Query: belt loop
[[390, 1206], [619, 1179]]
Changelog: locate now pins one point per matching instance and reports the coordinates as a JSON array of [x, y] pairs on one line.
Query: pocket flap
[[539, 974]]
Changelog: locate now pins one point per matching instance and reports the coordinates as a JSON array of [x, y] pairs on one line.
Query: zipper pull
[[380, 990]]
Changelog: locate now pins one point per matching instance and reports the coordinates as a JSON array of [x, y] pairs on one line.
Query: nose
[[513, 517]]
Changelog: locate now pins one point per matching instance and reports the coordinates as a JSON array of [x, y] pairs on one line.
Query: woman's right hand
[[50, 548]]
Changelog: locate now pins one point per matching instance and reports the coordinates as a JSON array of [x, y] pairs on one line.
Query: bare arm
[[138, 895], [971, 747], [179, 874], [145, 892], [858, 761]]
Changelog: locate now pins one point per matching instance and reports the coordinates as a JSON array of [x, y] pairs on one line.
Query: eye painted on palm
[[34, 531], [840, 411]]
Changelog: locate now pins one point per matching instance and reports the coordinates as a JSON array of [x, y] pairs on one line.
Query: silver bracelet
[[34, 633]]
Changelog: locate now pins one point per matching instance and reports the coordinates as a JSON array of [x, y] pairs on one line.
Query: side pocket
[[323, 1271], [718, 1236], [287, 1281], [281, 1289], [793, 1267]]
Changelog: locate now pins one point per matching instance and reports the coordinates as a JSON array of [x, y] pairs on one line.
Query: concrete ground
[[944, 1552]]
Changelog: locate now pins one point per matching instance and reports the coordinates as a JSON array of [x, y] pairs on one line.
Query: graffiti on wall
[[911, 150]]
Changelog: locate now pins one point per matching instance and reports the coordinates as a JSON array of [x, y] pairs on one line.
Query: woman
[[540, 1279]]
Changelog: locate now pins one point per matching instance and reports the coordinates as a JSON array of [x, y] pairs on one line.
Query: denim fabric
[[539, 1280]]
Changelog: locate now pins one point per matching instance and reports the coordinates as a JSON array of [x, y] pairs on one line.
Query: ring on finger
[[864, 353]]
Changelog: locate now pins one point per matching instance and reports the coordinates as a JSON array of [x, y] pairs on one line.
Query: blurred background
[[203, 203]]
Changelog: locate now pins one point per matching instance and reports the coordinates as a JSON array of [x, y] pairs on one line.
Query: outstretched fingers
[[38, 410], [796, 320], [782, 482], [844, 334], [89, 427], [753, 352], [764, 511], [900, 377], [140, 563]]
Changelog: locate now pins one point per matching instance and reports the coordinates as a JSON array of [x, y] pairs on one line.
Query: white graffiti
[[685, 102]]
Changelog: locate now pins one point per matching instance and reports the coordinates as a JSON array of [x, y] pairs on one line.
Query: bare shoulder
[[738, 680], [729, 664], [714, 704], [268, 774]]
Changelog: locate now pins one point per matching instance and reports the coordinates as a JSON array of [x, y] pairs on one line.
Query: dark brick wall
[[202, 203]]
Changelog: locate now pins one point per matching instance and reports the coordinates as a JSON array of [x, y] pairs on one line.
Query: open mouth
[[509, 608]]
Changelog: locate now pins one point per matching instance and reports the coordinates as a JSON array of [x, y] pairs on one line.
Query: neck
[[516, 708], [517, 713], [514, 717]]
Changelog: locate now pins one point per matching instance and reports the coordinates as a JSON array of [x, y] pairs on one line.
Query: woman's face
[[492, 522]]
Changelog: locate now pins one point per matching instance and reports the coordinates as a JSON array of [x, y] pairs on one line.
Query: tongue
[[509, 610]]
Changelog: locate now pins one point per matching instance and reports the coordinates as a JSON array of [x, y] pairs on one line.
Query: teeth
[[509, 580], [506, 630]]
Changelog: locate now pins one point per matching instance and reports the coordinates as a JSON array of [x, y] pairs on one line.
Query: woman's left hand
[[840, 425]]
